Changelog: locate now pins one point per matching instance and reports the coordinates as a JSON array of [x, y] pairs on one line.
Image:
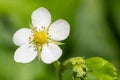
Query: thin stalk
[[60, 75], [59, 71]]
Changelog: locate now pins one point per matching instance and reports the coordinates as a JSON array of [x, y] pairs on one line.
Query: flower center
[[40, 37]]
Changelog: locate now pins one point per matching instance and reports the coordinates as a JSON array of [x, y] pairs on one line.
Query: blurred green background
[[95, 31]]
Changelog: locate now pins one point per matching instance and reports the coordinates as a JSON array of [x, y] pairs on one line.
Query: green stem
[[58, 68], [59, 76]]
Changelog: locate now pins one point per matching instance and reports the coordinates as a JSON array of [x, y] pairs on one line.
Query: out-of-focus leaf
[[100, 69]]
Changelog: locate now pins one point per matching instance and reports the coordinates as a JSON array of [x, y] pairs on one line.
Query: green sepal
[[39, 52], [31, 26], [56, 42]]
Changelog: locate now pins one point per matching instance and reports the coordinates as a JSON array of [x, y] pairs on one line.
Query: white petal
[[41, 17], [25, 54], [21, 36], [50, 53], [59, 30]]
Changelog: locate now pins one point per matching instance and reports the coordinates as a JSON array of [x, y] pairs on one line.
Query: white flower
[[41, 39]]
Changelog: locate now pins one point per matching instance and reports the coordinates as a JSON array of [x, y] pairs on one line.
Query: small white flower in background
[[42, 39]]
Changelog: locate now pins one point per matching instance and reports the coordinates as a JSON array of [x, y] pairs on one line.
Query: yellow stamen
[[40, 37]]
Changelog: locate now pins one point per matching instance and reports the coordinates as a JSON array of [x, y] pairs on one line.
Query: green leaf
[[100, 69]]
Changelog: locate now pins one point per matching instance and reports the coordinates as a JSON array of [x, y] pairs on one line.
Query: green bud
[[79, 67], [77, 60], [79, 70]]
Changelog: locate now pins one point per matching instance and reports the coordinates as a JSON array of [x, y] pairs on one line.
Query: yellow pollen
[[40, 37]]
